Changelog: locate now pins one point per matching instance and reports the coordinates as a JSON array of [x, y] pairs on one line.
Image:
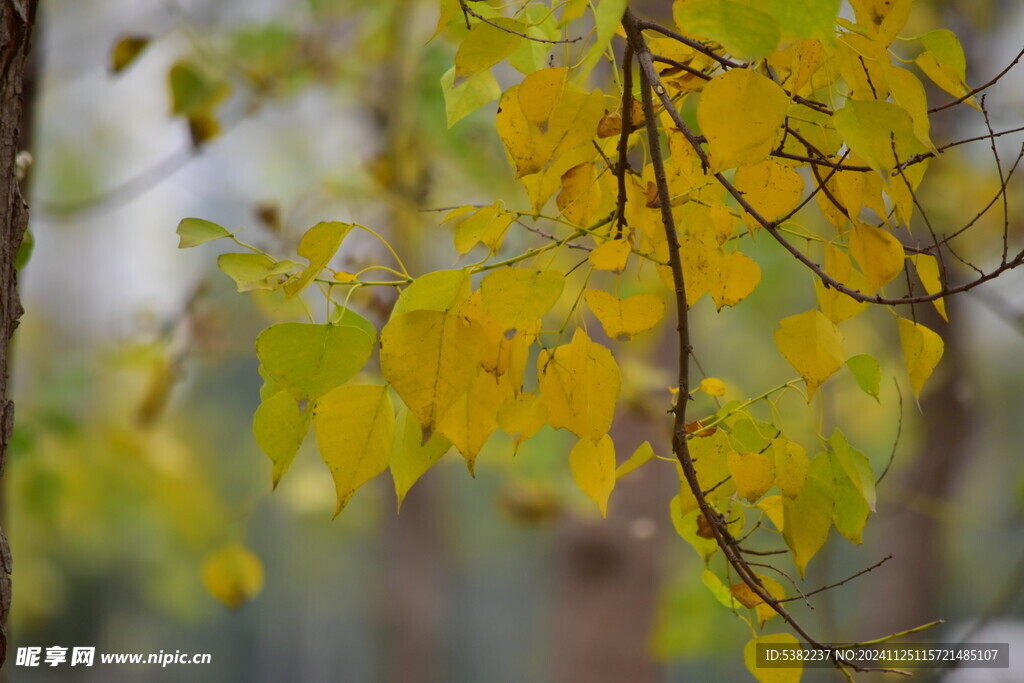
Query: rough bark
[[17, 18]]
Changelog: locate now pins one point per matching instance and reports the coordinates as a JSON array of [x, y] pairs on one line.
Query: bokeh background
[[135, 379]]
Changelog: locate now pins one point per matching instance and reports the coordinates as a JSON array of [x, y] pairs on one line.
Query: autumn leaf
[[813, 345], [593, 468]]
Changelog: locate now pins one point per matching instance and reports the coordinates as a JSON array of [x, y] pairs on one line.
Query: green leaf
[[746, 32], [28, 243], [280, 428], [310, 360], [195, 91], [856, 466], [719, 590], [607, 17], [469, 95], [807, 18], [348, 317], [125, 52], [871, 129], [354, 430], [642, 455], [411, 457], [442, 290], [686, 526], [807, 517], [867, 372], [254, 271], [195, 231]]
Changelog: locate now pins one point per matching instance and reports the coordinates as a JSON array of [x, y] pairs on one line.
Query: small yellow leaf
[[516, 297], [763, 610], [836, 305], [772, 675], [745, 595], [742, 114], [878, 253], [280, 428], [882, 19], [593, 468], [474, 416], [611, 255], [928, 271], [625, 318], [772, 189], [233, 575], [642, 455], [922, 351], [579, 385], [411, 457], [521, 417], [580, 195], [773, 508], [125, 52], [487, 226], [318, 246], [712, 386], [753, 474], [736, 277], [813, 345], [355, 427]]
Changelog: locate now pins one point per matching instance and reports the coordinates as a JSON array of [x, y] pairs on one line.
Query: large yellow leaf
[[503, 354], [753, 474], [808, 516], [518, 297], [883, 19], [879, 254], [813, 345], [625, 318], [771, 188], [579, 384], [922, 351], [881, 133], [741, 113], [233, 574], [474, 416], [354, 430], [928, 271], [593, 468], [430, 358], [772, 675], [411, 457]]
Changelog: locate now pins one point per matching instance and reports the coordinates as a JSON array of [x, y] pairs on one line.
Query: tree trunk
[[17, 18]]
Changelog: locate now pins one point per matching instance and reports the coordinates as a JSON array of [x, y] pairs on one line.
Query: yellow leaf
[[642, 455], [763, 610], [883, 19], [700, 268], [580, 195], [521, 417], [908, 92], [736, 276], [280, 428], [625, 318], [813, 345], [411, 457], [544, 117], [611, 255], [753, 474], [503, 354], [486, 45], [712, 386], [430, 358], [745, 595], [125, 52], [791, 466], [772, 675], [922, 351], [742, 114], [579, 384], [517, 298], [808, 517], [593, 468], [233, 575], [879, 254], [881, 133], [928, 271], [354, 427], [837, 306], [487, 226], [474, 416], [317, 246], [772, 189], [772, 507], [442, 290], [943, 61], [310, 360]]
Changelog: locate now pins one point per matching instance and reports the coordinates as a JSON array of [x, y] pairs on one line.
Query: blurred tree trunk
[[17, 18]]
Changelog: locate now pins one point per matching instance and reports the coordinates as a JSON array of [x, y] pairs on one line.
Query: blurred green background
[[135, 380]]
